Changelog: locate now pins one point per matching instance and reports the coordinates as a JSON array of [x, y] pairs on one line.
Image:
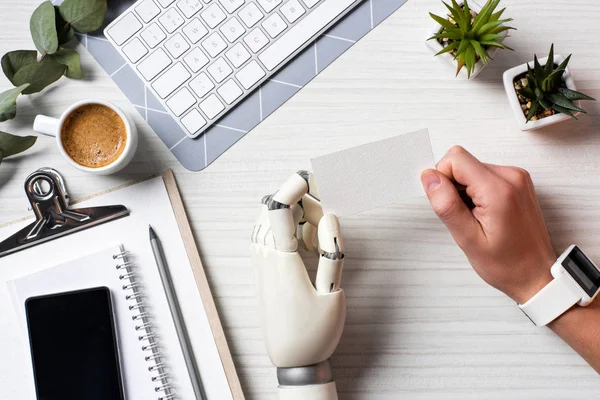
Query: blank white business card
[[373, 175]]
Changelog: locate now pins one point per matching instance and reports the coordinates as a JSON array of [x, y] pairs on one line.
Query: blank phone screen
[[73, 346]]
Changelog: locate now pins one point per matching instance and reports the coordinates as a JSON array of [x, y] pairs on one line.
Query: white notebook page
[[149, 204]]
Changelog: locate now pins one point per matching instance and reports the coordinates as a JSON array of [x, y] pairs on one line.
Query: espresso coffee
[[94, 135]]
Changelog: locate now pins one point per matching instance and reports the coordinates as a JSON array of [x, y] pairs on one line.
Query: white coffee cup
[[53, 127]]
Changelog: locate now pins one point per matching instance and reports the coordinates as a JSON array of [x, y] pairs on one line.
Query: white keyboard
[[202, 57]]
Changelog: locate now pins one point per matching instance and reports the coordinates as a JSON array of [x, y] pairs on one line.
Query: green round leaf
[[43, 28], [15, 60], [12, 144], [39, 75], [84, 15], [70, 59], [65, 31], [8, 102]]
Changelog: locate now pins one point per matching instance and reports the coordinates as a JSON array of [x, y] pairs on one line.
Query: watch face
[[583, 271]]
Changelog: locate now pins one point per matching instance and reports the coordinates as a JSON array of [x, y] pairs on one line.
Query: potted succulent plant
[[545, 94], [469, 35]]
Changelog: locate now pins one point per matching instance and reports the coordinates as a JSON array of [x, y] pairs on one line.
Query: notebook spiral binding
[[151, 345]]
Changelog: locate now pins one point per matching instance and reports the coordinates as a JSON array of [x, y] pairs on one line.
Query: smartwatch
[[576, 281]]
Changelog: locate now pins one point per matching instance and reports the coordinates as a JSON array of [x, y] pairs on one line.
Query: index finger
[[331, 262], [462, 167]]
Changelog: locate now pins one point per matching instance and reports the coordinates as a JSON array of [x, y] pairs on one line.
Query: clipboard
[[202, 284], [197, 271]]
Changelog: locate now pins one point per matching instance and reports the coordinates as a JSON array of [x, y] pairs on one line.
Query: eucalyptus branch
[[51, 27]]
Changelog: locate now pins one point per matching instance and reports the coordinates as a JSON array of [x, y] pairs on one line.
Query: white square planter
[[436, 46], [508, 78]]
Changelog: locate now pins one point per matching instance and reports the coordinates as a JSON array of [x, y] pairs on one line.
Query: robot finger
[[261, 234], [299, 184], [307, 233], [313, 212], [331, 263], [293, 189], [301, 187], [285, 213], [282, 223]]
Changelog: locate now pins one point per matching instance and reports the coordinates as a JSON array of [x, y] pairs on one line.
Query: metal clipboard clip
[[47, 194]]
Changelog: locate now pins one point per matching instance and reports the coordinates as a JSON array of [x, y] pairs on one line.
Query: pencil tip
[[152, 233]]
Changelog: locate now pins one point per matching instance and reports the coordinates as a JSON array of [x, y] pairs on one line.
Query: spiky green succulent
[[469, 38], [547, 90]]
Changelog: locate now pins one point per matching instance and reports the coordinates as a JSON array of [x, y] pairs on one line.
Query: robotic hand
[[302, 324]]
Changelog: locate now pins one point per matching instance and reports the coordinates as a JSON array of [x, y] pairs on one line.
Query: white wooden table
[[421, 324]]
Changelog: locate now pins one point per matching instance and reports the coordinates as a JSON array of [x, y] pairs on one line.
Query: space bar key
[[304, 31]]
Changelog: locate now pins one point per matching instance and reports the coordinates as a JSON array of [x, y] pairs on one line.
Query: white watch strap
[[552, 301]]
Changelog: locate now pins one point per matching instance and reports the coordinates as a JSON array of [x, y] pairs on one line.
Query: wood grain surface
[[421, 324]]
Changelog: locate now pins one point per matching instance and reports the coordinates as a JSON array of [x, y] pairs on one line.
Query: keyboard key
[[274, 25], [256, 40], [310, 3], [195, 59], [153, 35], [238, 55], [269, 5], [195, 30], [147, 10], [292, 10], [154, 64], [250, 74], [232, 29], [214, 45], [181, 101], [230, 91], [125, 28], [303, 32], [177, 45], [171, 80], [201, 85], [219, 70], [212, 106], [193, 121], [250, 15], [213, 15], [231, 5], [171, 20], [135, 50], [165, 3], [189, 7]]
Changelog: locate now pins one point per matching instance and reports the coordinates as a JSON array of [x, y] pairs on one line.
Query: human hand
[[505, 236]]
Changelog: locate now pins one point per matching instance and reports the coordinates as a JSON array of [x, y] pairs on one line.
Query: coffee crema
[[94, 135]]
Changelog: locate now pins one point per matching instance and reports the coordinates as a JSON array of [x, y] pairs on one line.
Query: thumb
[[450, 208]]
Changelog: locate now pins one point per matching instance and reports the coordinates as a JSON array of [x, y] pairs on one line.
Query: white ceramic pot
[[508, 78], [436, 46]]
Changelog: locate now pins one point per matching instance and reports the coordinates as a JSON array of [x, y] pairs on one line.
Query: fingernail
[[430, 181]]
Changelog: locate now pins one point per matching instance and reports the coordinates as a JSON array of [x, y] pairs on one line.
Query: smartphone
[[74, 346]]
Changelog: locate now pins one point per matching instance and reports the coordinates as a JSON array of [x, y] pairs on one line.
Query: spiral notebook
[[118, 255], [140, 358]]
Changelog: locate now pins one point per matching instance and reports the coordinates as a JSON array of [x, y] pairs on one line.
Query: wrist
[[532, 288], [537, 282], [575, 318], [315, 374], [313, 382], [576, 280]]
